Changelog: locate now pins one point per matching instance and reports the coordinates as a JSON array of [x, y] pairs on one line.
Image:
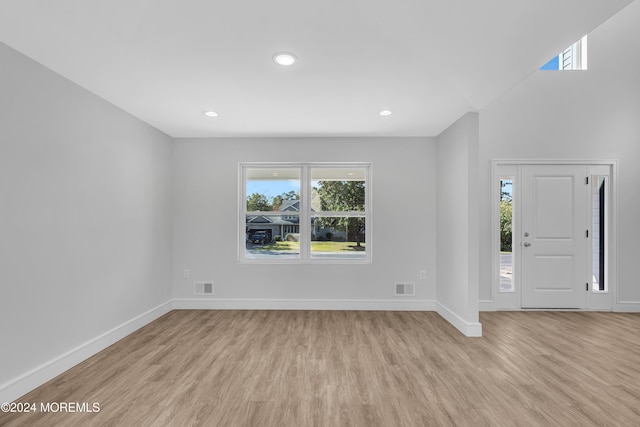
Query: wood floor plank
[[341, 368]]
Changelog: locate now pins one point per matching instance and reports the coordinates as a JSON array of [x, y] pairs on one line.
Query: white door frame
[[596, 301]]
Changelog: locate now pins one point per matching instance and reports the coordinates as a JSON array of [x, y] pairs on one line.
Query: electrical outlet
[[422, 274], [186, 273]]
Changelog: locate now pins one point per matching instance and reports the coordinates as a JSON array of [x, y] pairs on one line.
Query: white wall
[[205, 236], [457, 224], [592, 114], [84, 223]]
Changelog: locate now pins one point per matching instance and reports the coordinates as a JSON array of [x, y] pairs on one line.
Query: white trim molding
[[28, 381], [303, 304], [469, 329]]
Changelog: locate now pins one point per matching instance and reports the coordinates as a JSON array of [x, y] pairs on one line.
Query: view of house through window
[[304, 212], [272, 212]]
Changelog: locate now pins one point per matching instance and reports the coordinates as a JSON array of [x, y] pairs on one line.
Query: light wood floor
[[327, 368]]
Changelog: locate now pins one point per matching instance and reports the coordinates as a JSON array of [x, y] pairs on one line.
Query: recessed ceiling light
[[210, 113], [285, 59], [385, 112]]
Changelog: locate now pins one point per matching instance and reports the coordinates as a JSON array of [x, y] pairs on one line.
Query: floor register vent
[[406, 289], [203, 288]]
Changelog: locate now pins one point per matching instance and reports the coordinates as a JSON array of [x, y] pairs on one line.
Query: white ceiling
[[429, 61]]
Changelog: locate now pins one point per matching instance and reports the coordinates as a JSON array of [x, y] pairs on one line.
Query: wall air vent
[[203, 288], [406, 289]]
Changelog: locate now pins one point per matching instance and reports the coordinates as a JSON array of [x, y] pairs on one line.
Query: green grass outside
[[280, 246], [336, 246], [315, 247]]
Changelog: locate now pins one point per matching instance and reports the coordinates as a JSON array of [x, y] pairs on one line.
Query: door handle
[[527, 244]]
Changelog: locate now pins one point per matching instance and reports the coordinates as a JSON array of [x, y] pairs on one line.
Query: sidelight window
[[506, 234], [598, 229]]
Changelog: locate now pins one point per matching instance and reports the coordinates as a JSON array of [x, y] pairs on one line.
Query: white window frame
[[305, 214]]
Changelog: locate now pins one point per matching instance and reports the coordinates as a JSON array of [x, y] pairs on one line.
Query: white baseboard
[[17, 387], [620, 307], [303, 304], [469, 329]]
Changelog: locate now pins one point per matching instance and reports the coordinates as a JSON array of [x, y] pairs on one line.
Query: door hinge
[[586, 180], [586, 287], [587, 233]]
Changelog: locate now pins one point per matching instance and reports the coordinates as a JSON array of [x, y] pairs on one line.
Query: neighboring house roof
[[273, 220], [290, 205], [261, 219], [287, 206]]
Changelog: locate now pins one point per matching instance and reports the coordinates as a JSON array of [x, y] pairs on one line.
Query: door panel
[[553, 207], [554, 252], [552, 273]]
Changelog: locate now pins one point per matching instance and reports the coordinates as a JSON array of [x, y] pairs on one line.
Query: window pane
[[272, 237], [598, 196], [506, 237], [338, 237], [273, 189], [276, 232], [338, 189], [572, 58]]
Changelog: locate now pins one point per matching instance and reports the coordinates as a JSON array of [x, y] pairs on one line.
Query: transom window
[[307, 213], [572, 58]]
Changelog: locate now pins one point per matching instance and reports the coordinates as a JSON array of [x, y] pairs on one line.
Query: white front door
[[553, 236]]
